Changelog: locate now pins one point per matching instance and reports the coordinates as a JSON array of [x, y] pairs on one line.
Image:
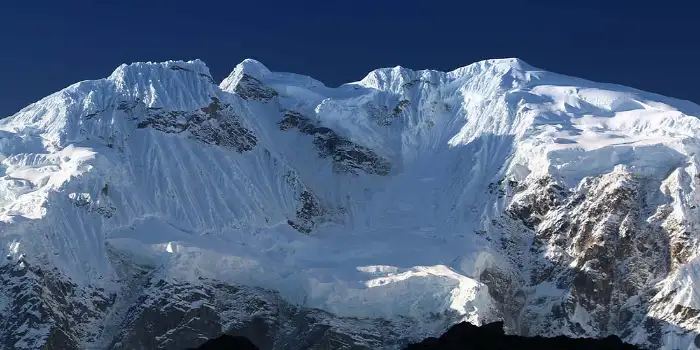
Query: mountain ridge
[[382, 210]]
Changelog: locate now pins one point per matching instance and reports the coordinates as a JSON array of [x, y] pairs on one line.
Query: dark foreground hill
[[491, 336], [465, 336]]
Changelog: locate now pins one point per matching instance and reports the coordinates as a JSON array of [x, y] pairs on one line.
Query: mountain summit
[[156, 209]]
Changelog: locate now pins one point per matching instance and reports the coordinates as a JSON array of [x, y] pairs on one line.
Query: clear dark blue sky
[[46, 45]]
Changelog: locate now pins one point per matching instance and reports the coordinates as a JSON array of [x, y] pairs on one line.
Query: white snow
[[404, 244]]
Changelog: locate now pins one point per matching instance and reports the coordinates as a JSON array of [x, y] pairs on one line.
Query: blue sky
[[48, 45]]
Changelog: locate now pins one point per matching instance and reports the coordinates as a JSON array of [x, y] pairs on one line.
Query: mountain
[[156, 209]]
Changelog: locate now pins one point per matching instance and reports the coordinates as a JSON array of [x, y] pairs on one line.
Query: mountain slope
[[372, 214]]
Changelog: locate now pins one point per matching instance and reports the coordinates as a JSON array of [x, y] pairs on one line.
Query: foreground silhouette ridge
[[226, 341], [466, 336], [491, 336]]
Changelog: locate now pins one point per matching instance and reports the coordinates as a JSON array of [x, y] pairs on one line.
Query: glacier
[[419, 198]]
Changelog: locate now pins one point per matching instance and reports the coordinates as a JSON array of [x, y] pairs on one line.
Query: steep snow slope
[[495, 191]]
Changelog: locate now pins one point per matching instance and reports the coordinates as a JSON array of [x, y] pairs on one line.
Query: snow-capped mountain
[[156, 209]]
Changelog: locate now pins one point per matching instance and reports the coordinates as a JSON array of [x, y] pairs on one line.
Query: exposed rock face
[[204, 75], [215, 125], [385, 117], [150, 313], [347, 156], [250, 88], [47, 312], [175, 318], [601, 247], [308, 212], [178, 316], [101, 206]]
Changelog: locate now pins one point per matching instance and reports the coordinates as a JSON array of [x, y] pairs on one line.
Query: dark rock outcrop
[[168, 315], [206, 76], [604, 243], [45, 307], [249, 88], [348, 157], [384, 117], [215, 124], [307, 213]]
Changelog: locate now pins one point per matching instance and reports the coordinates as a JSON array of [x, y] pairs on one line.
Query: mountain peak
[[135, 69], [514, 62], [159, 84], [252, 67], [248, 67], [394, 77]]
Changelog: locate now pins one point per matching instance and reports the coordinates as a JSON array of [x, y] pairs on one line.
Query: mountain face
[[155, 209]]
